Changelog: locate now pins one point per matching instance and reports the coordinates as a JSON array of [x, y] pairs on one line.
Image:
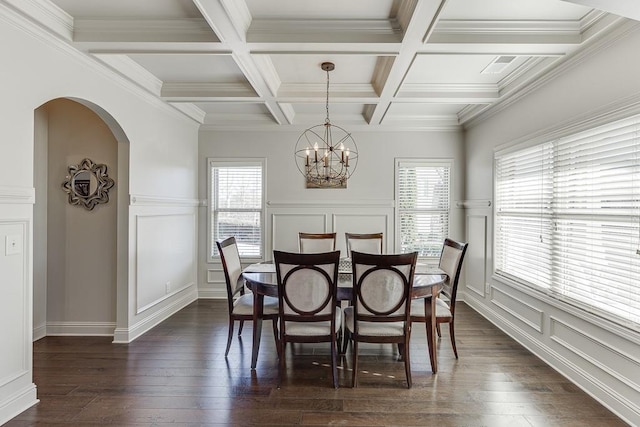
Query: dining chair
[[311, 243], [381, 303], [307, 292], [451, 259], [241, 303], [370, 243]]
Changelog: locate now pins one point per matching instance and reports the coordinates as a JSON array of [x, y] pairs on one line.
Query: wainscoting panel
[[611, 361], [165, 256], [14, 304], [475, 260], [359, 223], [289, 218], [285, 228], [518, 308]]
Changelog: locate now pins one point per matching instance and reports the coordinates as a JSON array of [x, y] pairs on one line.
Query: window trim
[[229, 162], [420, 162]]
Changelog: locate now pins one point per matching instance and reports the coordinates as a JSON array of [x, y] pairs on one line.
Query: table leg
[[258, 301], [430, 314]]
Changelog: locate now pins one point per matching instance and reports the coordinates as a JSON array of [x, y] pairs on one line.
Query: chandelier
[[326, 154]]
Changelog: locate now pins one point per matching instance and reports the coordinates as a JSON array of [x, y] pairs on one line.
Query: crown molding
[[314, 92], [92, 63], [405, 12], [325, 30], [46, 14], [145, 30], [191, 110], [200, 92], [449, 92], [508, 27]]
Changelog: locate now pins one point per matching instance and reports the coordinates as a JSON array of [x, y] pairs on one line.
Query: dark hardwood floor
[[177, 375]]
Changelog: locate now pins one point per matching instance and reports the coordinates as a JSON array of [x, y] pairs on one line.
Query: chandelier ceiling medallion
[[326, 154]]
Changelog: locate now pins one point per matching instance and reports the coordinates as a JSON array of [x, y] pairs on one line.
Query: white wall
[[600, 356], [366, 205], [157, 155]]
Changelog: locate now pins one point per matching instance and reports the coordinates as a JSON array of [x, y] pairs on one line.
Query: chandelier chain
[[327, 103]]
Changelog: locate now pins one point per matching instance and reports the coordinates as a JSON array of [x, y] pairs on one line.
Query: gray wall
[[368, 200], [600, 356]]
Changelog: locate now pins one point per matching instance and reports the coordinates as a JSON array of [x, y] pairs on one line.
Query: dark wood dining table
[[262, 280]]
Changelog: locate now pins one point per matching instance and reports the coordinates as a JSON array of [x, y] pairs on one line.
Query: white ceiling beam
[[424, 12]]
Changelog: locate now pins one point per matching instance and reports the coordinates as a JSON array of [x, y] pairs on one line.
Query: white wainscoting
[[287, 219], [163, 261], [475, 260], [165, 257], [17, 390]]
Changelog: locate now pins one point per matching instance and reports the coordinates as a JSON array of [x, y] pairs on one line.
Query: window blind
[[236, 208], [423, 205], [568, 218]]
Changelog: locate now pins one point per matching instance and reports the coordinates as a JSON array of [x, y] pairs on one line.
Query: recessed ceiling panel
[[191, 68], [457, 69], [306, 68]]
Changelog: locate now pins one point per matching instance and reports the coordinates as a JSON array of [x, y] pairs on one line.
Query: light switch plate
[[12, 244]]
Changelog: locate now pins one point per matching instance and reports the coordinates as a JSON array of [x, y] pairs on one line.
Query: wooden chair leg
[[354, 374], [276, 335], [453, 339], [281, 364], [438, 330], [241, 326], [231, 322], [334, 362], [407, 362], [345, 341]]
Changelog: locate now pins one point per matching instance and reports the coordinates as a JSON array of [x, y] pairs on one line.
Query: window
[[567, 218], [422, 205], [236, 201]]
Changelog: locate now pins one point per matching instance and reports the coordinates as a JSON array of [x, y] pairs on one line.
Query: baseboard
[[127, 335], [39, 332], [18, 403], [212, 294], [611, 399], [98, 329]]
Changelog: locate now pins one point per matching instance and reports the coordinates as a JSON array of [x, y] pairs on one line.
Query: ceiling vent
[[498, 65]]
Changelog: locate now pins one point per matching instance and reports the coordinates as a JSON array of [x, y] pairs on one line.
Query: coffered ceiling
[[415, 64]]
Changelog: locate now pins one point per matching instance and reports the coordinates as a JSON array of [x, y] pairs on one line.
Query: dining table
[[261, 279]]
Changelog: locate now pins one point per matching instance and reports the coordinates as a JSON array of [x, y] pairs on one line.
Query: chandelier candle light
[[326, 154]]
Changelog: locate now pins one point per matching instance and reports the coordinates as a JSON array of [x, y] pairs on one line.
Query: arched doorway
[[79, 285]]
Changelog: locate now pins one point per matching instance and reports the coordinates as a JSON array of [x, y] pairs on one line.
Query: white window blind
[[568, 218], [423, 206], [237, 205]]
